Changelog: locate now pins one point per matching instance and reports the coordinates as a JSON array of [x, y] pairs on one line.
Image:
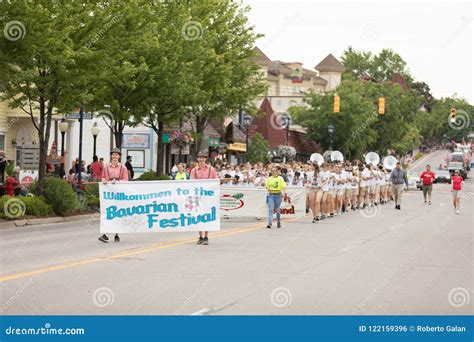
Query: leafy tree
[[229, 79], [44, 61], [123, 46], [381, 67], [422, 89], [203, 66], [358, 127], [352, 135], [258, 149]]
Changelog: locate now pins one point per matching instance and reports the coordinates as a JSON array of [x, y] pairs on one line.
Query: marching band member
[[315, 194], [339, 188], [364, 176], [325, 176]]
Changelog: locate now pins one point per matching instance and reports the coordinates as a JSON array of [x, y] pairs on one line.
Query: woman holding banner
[[203, 171], [113, 172]]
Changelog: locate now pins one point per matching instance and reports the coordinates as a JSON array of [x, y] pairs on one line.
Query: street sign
[[213, 142], [75, 116]]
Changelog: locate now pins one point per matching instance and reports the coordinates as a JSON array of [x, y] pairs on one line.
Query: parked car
[[453, 166], [414, 181], [442, 176]]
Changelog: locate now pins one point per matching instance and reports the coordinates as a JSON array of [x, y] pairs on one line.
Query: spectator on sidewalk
[[129, 167], [96, 169]]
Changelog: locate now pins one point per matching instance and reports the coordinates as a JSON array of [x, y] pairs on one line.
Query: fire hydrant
[[10, 185]]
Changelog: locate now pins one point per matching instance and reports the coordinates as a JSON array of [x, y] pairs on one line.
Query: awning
[[241, 147]]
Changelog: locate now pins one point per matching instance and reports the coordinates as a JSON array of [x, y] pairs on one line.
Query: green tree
[[258, 149], [379, 67], [123, 45], [44, 62], [358, 127], [203, 66], [229, 79]]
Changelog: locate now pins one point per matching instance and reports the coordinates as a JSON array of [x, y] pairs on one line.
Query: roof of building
[[330, 63], [399, 79], [319, 80], [266, 125], [260, 57], [279, 67]]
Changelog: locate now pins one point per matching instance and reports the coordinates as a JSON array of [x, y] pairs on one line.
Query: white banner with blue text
[[160, 206]]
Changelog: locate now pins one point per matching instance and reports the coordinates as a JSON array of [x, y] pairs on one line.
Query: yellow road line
[[141, 250]]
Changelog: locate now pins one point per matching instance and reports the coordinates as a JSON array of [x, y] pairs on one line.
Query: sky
[[433, 37]]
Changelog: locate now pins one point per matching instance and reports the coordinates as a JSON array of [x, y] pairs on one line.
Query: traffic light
[[381, 105], [337, 104], [453, 114]]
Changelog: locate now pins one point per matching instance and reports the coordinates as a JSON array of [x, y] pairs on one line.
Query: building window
[[2, 142]]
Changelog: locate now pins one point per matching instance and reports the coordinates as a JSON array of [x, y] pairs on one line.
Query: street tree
[[44, 62], [258, 149]]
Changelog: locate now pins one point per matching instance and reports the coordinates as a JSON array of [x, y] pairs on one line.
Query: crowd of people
[[333, 187]]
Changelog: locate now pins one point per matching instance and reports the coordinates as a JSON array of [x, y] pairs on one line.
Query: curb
[[49, 220]]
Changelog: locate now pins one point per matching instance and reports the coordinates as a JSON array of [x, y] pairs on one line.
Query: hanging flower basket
[[286, 151], [180, 138]]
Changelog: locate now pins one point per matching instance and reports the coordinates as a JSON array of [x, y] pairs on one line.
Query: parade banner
[[160, 206], [251, 202]]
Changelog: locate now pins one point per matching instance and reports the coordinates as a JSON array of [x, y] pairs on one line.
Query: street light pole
[[95, 132], [330, 133], [246, 145], [81, 126], [246, 121], [63, 126]]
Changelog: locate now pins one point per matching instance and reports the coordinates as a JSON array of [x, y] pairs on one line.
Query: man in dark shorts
[[427, 177]]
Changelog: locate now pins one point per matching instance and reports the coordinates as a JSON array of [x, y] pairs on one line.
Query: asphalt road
[[415, 261]]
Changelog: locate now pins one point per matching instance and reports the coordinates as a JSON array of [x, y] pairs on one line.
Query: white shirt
[[372, 178], [345, 178], [324, 175], [354, 182], [382, 180], [337, 178], [365, 173]]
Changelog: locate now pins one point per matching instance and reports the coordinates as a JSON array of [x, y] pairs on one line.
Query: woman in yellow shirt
[[276, 188], [180, 175]]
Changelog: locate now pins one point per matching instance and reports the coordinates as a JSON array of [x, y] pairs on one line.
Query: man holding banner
[[203, 171], [113, 172]]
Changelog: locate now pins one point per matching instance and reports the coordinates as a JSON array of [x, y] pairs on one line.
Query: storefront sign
[[175, 149], [136, 140], [241, 147], [213, 142]]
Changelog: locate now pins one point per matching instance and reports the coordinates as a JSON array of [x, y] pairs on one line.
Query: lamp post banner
[[160, 206]]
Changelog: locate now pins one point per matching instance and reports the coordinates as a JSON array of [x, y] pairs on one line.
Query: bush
[[59, 194], [91, 189], [151, 175], [418, 156], [37, 206], [11, 208]]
